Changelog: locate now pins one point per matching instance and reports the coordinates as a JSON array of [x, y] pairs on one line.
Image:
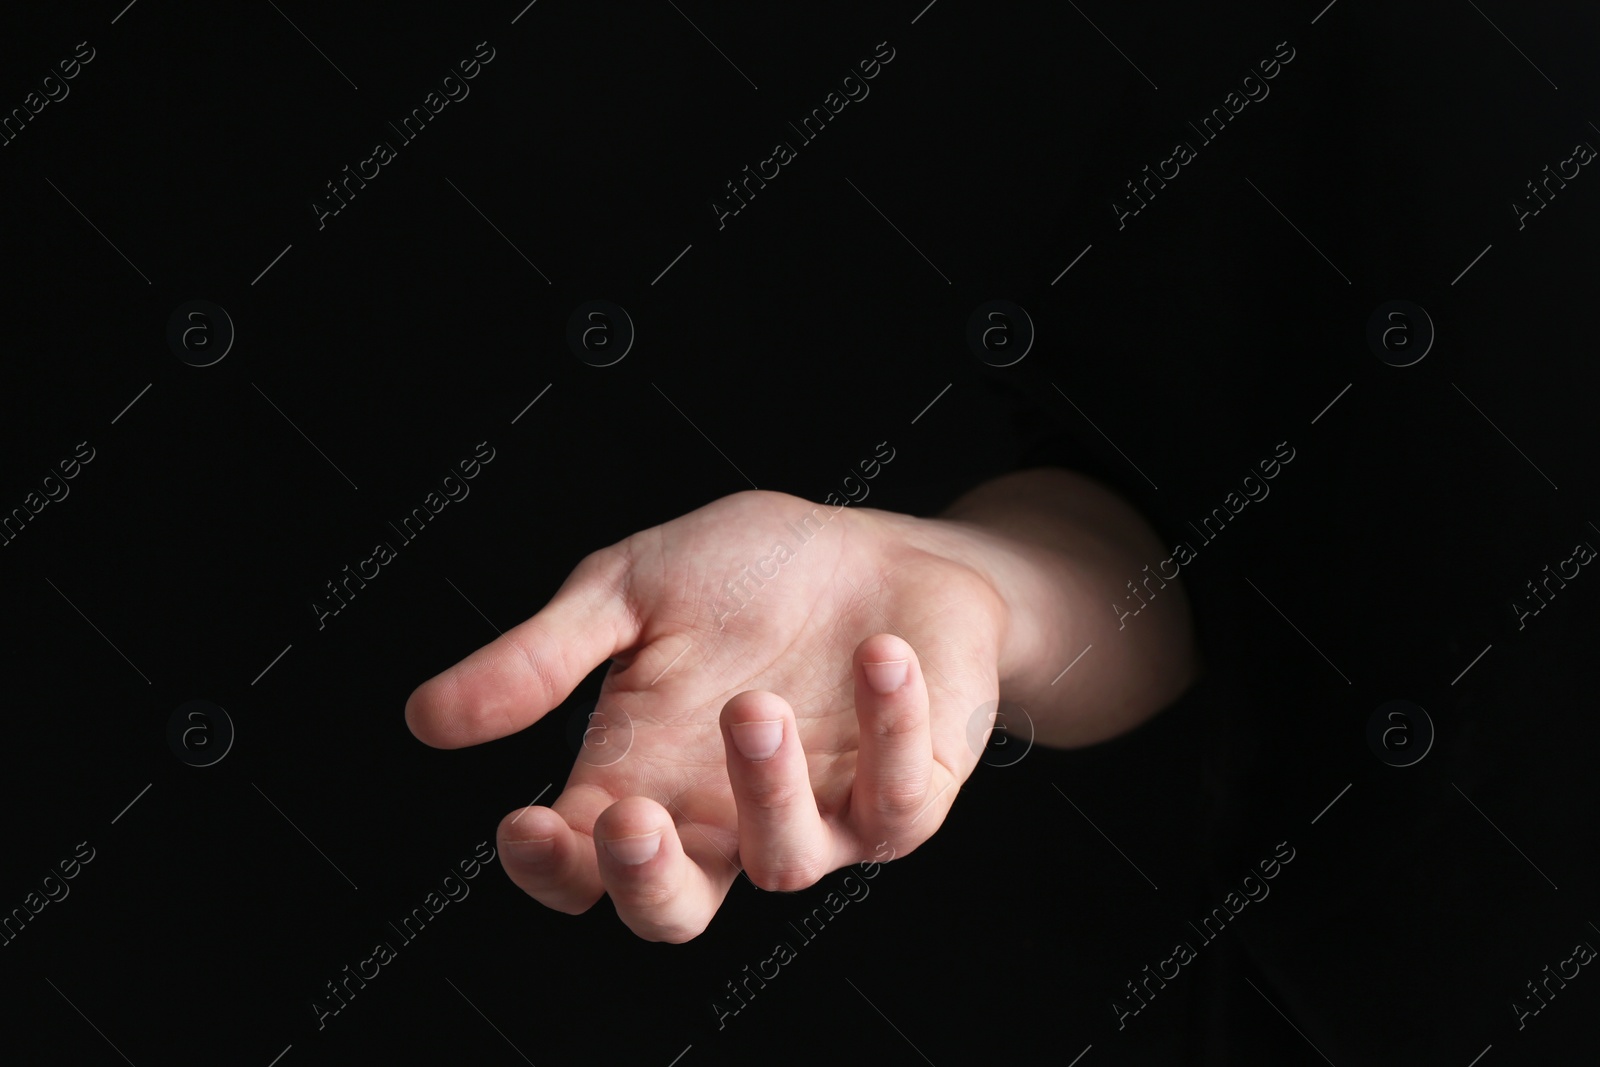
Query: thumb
[[513, 681]]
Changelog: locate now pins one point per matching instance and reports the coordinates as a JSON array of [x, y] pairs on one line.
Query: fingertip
[[548, 860], [884, 661], [437, 715], [531, 824], [659, 892], [633, 832], [755, 724]]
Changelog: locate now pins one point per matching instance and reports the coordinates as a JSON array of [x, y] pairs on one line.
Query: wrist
[[1057, 549], [1009, 569]]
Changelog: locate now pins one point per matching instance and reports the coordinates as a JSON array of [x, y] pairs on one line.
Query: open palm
[[767, 709]]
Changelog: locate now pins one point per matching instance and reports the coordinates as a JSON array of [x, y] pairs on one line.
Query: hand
[[785, 730]]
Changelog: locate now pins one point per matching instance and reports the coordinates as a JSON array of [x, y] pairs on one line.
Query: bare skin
[[867, 654]]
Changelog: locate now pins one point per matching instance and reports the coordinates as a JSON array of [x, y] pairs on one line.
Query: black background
[[1221, 320]]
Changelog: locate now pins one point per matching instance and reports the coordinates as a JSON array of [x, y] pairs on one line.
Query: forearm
[[1061, 549]]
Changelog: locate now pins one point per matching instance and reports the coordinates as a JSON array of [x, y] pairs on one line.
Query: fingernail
[[532, 850], [635, 850], [758, 740], [888, 676]]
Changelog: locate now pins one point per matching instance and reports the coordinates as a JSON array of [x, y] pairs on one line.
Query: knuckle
[[770, 794], [565, 904], [673, 930], [787, 876], [900, 722], [900, 800], [542, 670], [651, 901], [903, 843]]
